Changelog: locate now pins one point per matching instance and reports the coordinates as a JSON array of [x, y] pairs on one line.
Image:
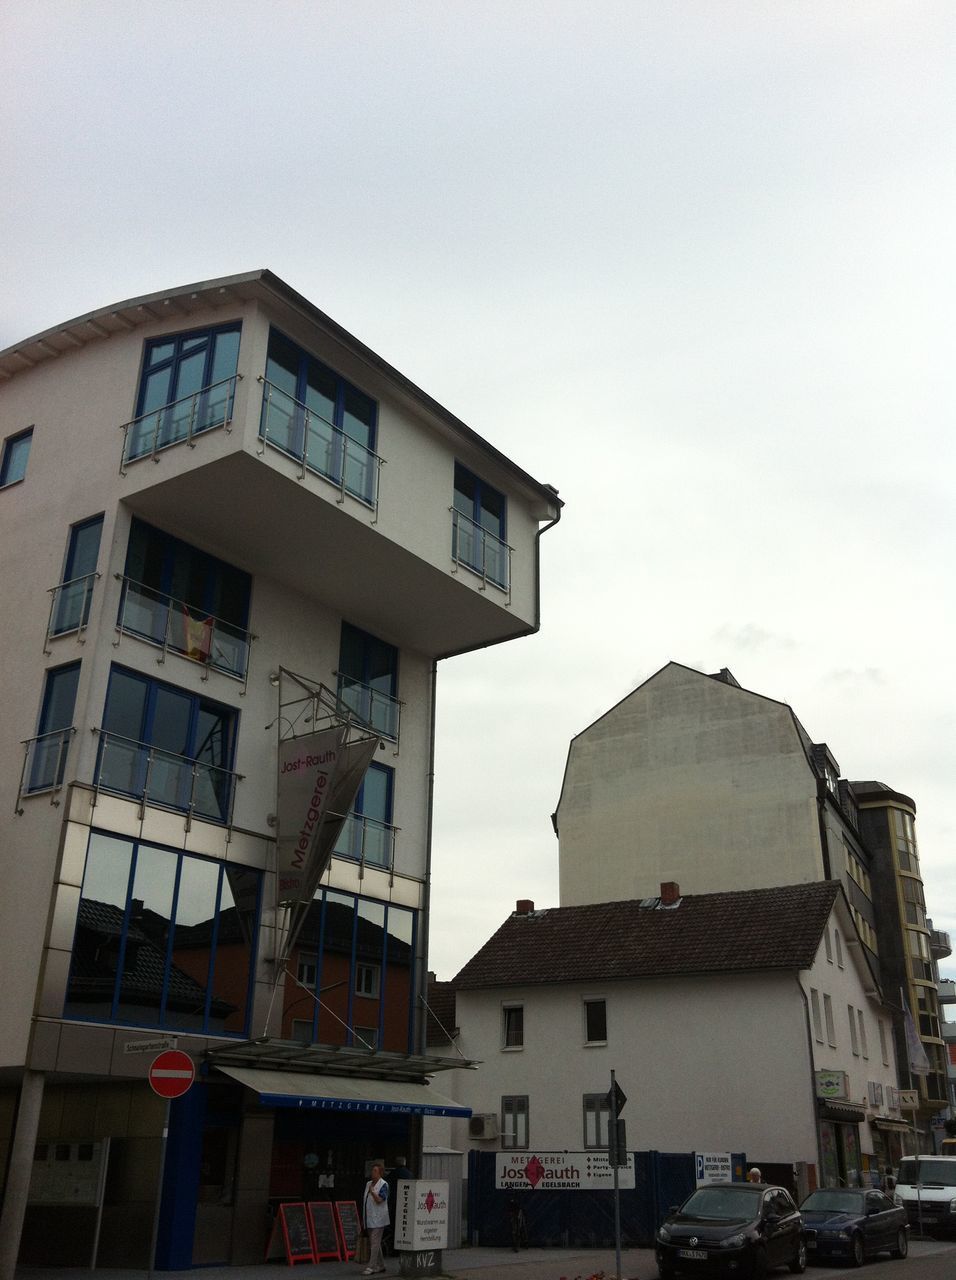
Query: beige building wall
[[687, 779]]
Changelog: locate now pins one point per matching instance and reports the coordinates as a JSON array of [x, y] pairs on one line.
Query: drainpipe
[[813, 1081], [821, 819]]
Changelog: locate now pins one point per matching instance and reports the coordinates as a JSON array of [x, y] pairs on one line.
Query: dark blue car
[[852, 1225]]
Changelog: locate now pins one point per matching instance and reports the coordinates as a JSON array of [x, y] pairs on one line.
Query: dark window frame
[[516, 1107], [10, 459]]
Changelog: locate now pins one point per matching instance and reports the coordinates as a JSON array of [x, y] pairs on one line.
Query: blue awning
[[343, 1094]]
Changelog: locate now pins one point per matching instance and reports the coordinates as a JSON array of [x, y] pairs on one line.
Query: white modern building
[[744, 1022], [226, 524]]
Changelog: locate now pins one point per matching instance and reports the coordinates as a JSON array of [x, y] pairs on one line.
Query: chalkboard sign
[[295, 1233], [350, 1225], [325, 1238]]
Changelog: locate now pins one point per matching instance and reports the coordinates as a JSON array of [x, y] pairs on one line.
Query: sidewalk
[[470, 1264]]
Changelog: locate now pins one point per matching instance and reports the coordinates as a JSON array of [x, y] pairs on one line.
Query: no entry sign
[[171, 1074]]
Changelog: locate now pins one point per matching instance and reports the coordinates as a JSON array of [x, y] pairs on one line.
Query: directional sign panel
[[616, 1098], [171, 1074]]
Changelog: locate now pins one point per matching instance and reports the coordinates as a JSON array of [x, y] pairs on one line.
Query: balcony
[[176, 627], [380, 711], [162, 778], [70, 607], [939, 945], [179, 422], [480, 550], [370, 842], [44, 764], [318, 446]]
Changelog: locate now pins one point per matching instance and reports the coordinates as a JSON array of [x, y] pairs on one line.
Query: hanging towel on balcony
[[198, 637]]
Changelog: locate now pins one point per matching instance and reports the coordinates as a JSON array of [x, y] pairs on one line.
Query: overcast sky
[[689, 261]]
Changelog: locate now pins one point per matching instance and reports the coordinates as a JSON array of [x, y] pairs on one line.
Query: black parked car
[[853, 1225], [735, 1228]]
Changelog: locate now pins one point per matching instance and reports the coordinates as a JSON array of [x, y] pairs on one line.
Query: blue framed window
[[184, 599], [71, 608], [163, 939], [359, 956], [368, 679], [55, 728], [368, 833], [187, 386], [16, 451], [313, 414], [169, 746], [478, 527]]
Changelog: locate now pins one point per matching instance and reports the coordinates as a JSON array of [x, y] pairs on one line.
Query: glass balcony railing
[[44, 763], [319, 446], [480, 550], [179, 421], [370, 842], [70, 606], [183, 629], [380, 711], [163, 778]]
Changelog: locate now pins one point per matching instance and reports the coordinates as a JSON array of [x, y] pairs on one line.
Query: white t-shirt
[[376, 1215]]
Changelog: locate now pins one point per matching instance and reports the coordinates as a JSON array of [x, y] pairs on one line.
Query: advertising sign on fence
[[559, 1171], [713, 1166]]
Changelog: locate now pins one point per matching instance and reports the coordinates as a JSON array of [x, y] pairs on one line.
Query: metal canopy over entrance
[[345, 1094], [331, 1060]]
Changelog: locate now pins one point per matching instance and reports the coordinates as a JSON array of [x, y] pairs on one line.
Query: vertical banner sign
[[307, 768]]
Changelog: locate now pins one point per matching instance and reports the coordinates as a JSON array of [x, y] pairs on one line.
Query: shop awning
[[313, 1092], [841, 1112], [892, 1126]]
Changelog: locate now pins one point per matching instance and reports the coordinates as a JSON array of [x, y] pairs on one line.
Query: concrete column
[[21, 1167]]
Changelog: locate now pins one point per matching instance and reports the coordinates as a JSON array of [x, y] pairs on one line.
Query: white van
[[926, 1188]]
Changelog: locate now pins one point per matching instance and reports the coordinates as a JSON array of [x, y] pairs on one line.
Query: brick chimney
[[524, 907], [670, 893]]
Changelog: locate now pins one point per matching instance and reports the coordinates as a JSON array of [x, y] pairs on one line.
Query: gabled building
[[226, 523], [741, 1022], [694, 777]]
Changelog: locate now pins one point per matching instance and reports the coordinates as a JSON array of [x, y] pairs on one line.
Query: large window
[[514, 1122], [179, 597], [168, 745], [163, 939], [47, 762], [368, 679], [356, 956], [187, 386], [72, 598], [368, 833], [597, 1115], [478, 528], [16, 451], [312, 413]]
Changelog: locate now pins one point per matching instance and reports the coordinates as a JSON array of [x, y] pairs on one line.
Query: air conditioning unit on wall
[[483, 1126]]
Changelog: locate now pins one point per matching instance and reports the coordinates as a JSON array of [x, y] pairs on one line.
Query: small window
[[854, 1041], [595, 1021], [368, 834], [862, 1026], [512, 1030], [302, 1030], [478, 527], [597, 1115], [839, 947], [883, 1052], [828, 1017], [305, 972], [71, 606], [16, 451], [828, 944], [55, 728], [815, 1011], [514, 1122], [367, 980], [365, 1037]]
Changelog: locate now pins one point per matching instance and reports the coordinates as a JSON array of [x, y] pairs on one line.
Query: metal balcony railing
[[481, 551], [380, 711], [181, 420], [70, 607], [372, 843], [44, 764], [125, 767], [179, 628], [319, 446]]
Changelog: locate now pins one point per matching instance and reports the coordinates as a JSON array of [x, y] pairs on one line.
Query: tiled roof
[[440, 1021], [777, 928]]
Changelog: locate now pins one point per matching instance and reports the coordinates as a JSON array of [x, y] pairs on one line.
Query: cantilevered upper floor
[[236, 413]]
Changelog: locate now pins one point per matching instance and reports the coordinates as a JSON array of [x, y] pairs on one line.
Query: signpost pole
[[612, 1146], [154, 1241]]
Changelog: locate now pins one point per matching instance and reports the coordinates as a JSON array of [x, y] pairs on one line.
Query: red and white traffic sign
[[171, 1073]]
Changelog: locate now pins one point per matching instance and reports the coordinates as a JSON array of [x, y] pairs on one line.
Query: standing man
[[375, 1211], [755, 1175]]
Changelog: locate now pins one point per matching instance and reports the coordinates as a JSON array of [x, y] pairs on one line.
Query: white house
[[226, 524], [742, 1022]]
